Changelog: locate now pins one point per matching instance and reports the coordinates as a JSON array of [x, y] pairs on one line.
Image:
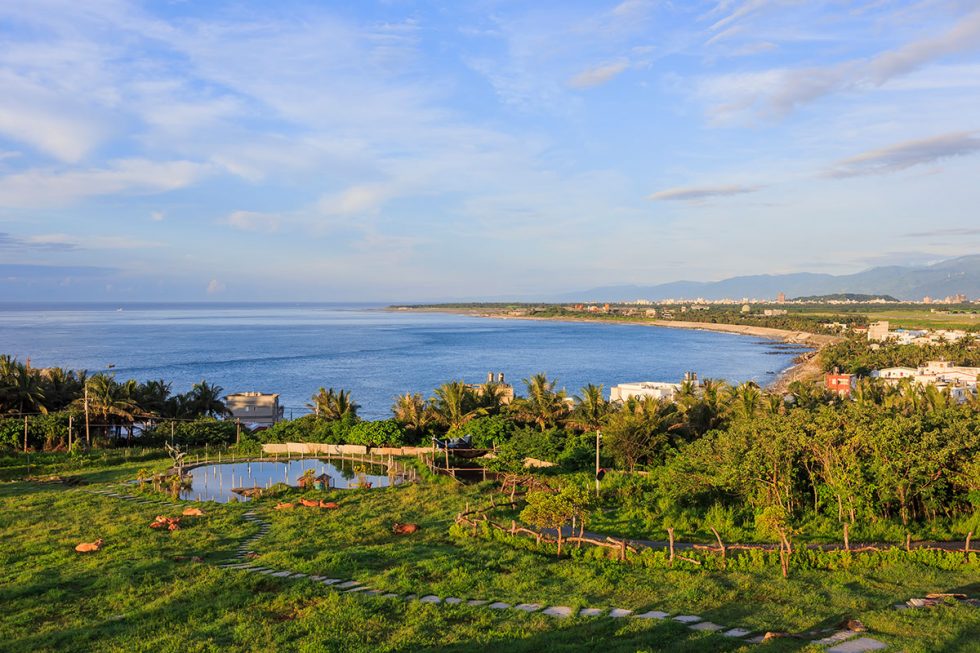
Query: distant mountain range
[[951, 277]]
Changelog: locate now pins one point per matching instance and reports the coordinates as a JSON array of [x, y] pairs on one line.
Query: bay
[[377, 354]]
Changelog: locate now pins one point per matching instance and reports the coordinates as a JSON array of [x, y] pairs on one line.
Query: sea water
[[376, 354]]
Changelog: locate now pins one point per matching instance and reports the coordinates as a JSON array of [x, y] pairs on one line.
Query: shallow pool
[[215, 482]]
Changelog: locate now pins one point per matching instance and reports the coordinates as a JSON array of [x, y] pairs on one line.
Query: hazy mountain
[[950, 277]]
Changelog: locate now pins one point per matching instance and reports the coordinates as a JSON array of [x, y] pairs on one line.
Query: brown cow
[[284, 506], [193, 512], [404, 529], [89, 547], [172, 523], [329, 505], [310, 503]]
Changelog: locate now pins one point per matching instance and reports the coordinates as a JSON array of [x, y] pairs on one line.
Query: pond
[[215, 482]]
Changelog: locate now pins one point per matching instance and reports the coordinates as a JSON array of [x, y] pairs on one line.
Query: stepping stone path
[[653, 614], [841, 641], [706, 626], [687, 618], [858, 646]]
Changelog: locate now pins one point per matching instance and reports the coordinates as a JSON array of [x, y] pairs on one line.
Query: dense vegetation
[[859, 356]]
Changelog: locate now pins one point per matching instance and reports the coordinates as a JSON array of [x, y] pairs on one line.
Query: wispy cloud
[[901, 156], [932, 233], [53, 187], [598, 75], [17, 243], [696, 193], [779, 91]]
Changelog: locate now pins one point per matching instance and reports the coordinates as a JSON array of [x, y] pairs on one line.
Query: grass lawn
[[143, 590]]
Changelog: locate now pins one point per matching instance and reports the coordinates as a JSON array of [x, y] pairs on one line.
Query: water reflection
[[215, 482]]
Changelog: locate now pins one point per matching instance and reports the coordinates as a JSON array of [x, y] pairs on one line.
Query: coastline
[[808, 368]]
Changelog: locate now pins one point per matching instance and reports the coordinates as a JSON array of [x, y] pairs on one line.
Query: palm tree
[[543, 405], [152, 397], [412, 412], [747, 399], [24, 391], [205, 399], [454, 404], [591, 409], [333, 405], [109, 401]]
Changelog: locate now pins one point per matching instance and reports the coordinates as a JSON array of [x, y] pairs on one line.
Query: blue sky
[[402, 150]]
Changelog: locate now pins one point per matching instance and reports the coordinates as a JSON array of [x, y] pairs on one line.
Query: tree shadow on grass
[[613, 636]]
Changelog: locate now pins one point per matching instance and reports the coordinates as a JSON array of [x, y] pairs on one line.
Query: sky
[[410, 151]]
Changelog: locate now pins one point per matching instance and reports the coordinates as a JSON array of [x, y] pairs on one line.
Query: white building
[[255, 408], [961, 381], [654, 389]]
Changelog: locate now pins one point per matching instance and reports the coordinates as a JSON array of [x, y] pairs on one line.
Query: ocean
[[377, 354]]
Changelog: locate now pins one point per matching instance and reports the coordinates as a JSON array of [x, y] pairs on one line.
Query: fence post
[[670, 539]]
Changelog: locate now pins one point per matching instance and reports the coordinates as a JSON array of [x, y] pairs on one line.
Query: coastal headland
[[807, 365]]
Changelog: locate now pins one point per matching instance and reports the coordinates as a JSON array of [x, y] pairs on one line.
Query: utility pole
[[69, 432], [238, 430], [88, 439], [598, 436], [25, 433]]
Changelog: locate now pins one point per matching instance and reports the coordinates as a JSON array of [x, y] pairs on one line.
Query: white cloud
[[698, 193], [779, 91], [158, 216], [907, 154], [45, 187], [215, 287], [89, 242], [254, 221], [598, 75]]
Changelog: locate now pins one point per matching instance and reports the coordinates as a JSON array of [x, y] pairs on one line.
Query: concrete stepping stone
[[619, 613], [528, 607], [736, 632], [558, 611], [281, 574], [687, 618], [372, 592], [348, 584], [652, 614], [357, 589], [299, 574], [499, 605], [836, 638], [476, 602], [430, 598], [858, 646], [706, 626], [590, 612], [330, 581], [452, 600], [758, 639], [316, 578], [390, 595]]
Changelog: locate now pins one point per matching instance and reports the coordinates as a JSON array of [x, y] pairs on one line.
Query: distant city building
[[878, 331], [960, 381], [781, 298], [257, 408]]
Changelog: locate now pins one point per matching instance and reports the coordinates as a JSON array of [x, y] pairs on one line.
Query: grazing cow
[[193, 512], [89, 547], [309, 503], [284, 506], [329, 505], [404, 529], [172, 523]]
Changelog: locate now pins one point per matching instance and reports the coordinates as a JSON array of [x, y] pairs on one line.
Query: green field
[[145, 591]]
